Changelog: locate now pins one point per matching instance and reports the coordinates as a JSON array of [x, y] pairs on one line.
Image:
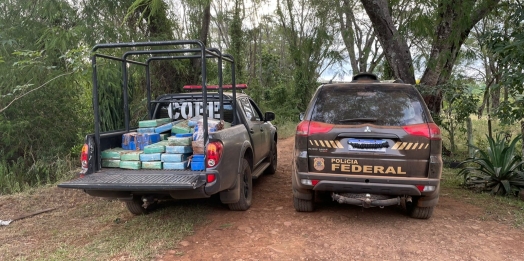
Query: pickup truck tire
[[246, 189], [273, 158], [135, 207], [303, 205]]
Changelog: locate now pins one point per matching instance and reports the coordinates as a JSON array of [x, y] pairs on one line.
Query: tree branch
[[39, 87]]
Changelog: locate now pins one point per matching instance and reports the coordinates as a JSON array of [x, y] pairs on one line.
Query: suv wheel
[[303, 205], [420, 212], [246, 189]]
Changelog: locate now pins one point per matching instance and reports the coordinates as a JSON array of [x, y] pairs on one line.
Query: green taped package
[[124, 164], [180, 129], [152, 165], [131, 155], [112, 153], [153, 123], [110, 163], [154, 148], [176, 141]]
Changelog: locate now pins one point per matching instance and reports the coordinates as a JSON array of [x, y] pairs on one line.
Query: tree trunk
[[455, 19], [522, 136], [471, 150], [204, 32], [395, 47]]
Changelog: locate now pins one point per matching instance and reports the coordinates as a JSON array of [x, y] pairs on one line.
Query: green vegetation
[[497, 169]]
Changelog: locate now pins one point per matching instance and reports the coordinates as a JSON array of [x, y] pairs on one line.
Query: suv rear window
[[379, 105]]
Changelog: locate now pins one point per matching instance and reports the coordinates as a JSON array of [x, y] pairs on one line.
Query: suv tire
[[303, 205], [419, 212]]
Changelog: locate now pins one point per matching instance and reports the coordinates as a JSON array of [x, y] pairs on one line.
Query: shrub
[[497, 169]]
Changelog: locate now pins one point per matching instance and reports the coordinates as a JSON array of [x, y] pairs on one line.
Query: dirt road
[[272, 230]]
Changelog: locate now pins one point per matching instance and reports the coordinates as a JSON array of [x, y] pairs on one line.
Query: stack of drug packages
[[161, 144]]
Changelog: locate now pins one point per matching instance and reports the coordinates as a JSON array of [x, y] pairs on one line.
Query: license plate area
[[367, 145]]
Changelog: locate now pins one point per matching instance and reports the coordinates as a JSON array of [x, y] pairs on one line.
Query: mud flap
[[231, 195], [299, 193], [428, 202]]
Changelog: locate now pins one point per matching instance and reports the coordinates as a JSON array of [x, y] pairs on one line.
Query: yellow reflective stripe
[[333, 144], [420, 147], [403, 145], [316, 143], [396, 145], [339, 144], [310, 141], [414, 146], [426, 146], [327, 144], [409, 145], [321, 143]]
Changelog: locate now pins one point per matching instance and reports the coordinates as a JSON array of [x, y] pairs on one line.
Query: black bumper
[[118, 182], [394, 186]]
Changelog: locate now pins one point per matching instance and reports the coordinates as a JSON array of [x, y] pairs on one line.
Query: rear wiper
[[359, 119]]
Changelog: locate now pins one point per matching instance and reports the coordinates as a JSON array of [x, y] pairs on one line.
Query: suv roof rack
[[365, 76]]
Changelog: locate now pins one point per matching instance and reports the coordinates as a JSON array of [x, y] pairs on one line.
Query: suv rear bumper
[[394, 186]]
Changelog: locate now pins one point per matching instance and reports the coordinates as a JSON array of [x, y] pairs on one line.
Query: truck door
[[255, 127]]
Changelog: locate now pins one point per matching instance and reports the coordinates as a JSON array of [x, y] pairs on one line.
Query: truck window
[[249, 112]]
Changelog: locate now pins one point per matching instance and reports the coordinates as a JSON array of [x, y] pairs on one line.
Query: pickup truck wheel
[[303, 205], [246, 189], [273, 157], [135, 207]]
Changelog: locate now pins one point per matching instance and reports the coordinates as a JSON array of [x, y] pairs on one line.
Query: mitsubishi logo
[[367, 129]]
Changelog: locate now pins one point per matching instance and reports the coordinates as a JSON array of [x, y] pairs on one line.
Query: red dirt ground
[[272, 230]]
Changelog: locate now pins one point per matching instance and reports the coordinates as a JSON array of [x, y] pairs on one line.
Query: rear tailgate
[[369, 150], [138, 180]]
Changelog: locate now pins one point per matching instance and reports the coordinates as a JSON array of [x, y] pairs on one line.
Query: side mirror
[[301, 116], [269, 116]]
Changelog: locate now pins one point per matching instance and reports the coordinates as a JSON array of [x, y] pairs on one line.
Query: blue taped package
[[137, 141], [175, 165], [179, 149], [145, 130], [164, 128], [198, 157], [174, 157], [197, 165], [150, 157], [183, 135], [152, 137]]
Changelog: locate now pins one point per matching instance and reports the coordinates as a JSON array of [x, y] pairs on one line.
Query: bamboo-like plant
[[498, 169]]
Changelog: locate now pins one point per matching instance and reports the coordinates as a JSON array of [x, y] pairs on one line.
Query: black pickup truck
[[233, 156]]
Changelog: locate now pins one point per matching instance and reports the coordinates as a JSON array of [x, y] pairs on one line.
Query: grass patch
[[88, 228], [24, 174], [480, 130], [502, 209], [286, 129]]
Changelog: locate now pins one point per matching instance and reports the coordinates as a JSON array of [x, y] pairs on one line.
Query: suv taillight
[[428, 130], [84, 155], [306, 128], [214, 153]]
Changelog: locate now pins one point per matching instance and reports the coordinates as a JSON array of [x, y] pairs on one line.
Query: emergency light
[[215, 87]]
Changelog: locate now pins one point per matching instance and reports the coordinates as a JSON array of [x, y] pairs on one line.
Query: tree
[[359, 38], [453, 23], [309, 34]]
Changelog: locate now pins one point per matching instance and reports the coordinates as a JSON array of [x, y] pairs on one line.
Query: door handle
[[251, 130]]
